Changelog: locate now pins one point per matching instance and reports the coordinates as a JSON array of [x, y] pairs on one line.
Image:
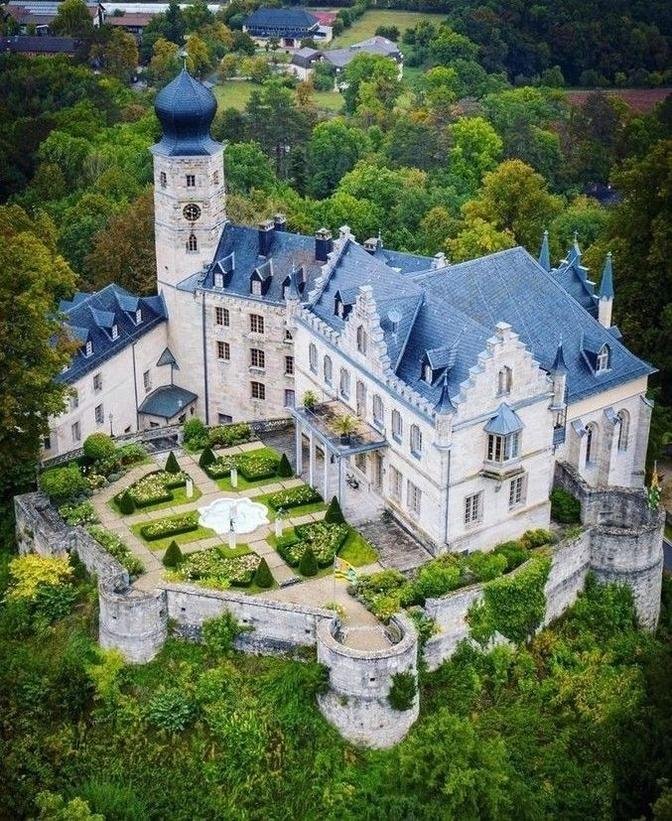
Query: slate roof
[[505, 421], [305, 57], [573, 276], [91, 316], [381, 46], [186, 109], [283, 22], [24, 43], [167, 401]]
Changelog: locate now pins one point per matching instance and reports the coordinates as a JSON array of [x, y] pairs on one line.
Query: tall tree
[[118, 54], [333, 149], [73, 19]]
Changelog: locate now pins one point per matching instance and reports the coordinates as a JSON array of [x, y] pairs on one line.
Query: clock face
[[191, 212]]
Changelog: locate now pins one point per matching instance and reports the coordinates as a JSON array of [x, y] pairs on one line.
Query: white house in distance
[[445, 392], [304, 60]]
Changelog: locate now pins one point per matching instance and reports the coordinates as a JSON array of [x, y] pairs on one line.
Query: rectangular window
[[224, 418], [289, 366], [76, 430], [97, 382], [473, 508], [503, 448], [256, 287], [222, 317], [517, 492], [46, 442], [191, 181], [396, 480], [215, 177], [163, 179], [74, 401], [257, 358], [256, 324], [100, 414], [88, 350], [344, 383], [414, 496], [258, 390], [115, 332], [223, 350], [138, 316], [290, 398], [147, 380]]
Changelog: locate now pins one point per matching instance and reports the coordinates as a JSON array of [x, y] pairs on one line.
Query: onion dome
[[186, 109]]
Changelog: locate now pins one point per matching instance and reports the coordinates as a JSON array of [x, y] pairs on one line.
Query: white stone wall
[[117, 395]]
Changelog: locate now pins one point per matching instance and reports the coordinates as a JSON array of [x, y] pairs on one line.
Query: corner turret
[[606, 294]]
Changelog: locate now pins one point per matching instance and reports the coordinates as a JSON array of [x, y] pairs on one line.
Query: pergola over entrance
[[322, 424]]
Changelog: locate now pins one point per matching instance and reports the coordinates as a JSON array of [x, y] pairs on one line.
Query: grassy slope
[[367, 24], [236, 93]]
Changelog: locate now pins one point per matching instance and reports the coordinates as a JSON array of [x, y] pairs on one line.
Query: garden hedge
[[169, 527], [293, 497]]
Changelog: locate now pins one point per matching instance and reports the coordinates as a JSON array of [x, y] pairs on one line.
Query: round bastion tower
[[188, 181]]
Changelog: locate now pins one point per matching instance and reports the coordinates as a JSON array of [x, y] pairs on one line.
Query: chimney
[[280, 221], [323, 244], [265, 237], [439, 260]]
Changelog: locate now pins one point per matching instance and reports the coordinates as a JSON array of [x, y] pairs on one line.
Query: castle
[[443, 393]]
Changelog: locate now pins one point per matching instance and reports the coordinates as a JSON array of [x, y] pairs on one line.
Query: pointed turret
[[559, 364], [445, 403], [545, 254], [606, 295], [559, 376]]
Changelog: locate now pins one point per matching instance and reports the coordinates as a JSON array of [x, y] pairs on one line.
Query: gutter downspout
[[447, 497], [205, 360], [135, 389]]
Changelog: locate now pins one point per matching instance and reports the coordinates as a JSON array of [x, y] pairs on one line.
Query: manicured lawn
[[236, 93], [180, 538], [367, 24], [243, 484], [179, 498], [329, 100], [357, 551], [287, 513]]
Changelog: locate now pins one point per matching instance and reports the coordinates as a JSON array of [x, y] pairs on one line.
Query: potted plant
[[345, 426], [309, 400]]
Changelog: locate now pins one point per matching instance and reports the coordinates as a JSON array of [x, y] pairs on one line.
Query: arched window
[[397, 426], [624, 429], [192, 243], [360, 395], [429, 374], [328, 370], [603, 357], [591, 444], [361, 339], [344, 383], [504, 381], [378, 411], [416, 440], [312, 357]]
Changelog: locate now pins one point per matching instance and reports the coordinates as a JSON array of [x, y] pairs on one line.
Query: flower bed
[[325, 540], [172, 526], [221, 467], [82, 513], [293, 497], [155, 488], [225, 436], [252, 466], [212, 568], [118, 549]]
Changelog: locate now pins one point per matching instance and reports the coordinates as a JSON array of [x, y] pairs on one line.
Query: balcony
[[326, 421]]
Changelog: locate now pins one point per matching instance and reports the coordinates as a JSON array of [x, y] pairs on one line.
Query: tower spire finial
[[545, 254], [607, 281], [445, 403]]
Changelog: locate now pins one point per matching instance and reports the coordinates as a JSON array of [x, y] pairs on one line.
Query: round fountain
[[233, 515]]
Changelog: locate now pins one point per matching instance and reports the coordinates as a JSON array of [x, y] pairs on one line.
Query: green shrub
[[194, 432], [172, 465], [403, 691], [536, 538], [207, 458], [225, 436], [263, 577], [514, 553], [170, 709], [213, 568], [256, 467], [285, 468], [565, 508], [125, 503], [486, 566], [308, 563], [325, 540], [173, 556], [437, 577], [131, 453], [170, 527], [220, 633], [293, 497], [63, 484], [81, 513], [117, 548], [334, 513], [151, 489], [221, 467], [99, 446]]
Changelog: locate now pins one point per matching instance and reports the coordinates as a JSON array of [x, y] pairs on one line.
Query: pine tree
[[125, 503], [172, 465], [308, 563], [263, 577], [284, 468], [334, 514], [207, 458], [173, 556]]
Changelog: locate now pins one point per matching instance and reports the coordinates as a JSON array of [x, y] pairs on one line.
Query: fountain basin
[[242, 515]]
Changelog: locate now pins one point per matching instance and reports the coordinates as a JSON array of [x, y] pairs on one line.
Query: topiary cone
[[308, 563], [126, 503], [173, 556], [172, 465], [334, 514], [284, 468], [263, 577], [207, 458]]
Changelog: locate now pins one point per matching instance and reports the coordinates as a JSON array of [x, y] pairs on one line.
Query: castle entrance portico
[[334, 435]]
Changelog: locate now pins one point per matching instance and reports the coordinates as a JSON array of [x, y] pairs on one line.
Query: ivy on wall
[[512, 605]]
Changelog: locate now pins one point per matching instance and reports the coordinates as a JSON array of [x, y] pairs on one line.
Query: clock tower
[[188, 181]]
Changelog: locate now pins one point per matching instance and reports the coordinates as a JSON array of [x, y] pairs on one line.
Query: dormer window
[[192, 244], [603, 356], [88, 348], [361, 339], [219, 280], [338, 309], [504, 381], [138, 316], [428, 374], [256, 287], [114, 333]]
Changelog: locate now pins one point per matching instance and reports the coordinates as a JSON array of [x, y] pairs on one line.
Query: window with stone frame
[[257, 358], [147, 381], [223, 350], [76, 431], [396, 483], [504, 381], [289, 366], [361, 339], [163, 179], [191, 180], [603, 359], [344, 383], [97, 382], [591, 443], [114, 333], [413, 497], [219, 281], [503, 448], [397, 426], [623, 429], [290, 398], [138, 316], [222, 316], [416, 441], [257, 390], [256, 323], [256, 287], [517, 490], [378, 412], [99, 414], [88, 348], [473, 508], [312, 357], [74, 400], [328, 370], [192, 244]]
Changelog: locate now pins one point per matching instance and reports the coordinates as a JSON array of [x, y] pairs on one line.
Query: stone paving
[[361, 628]]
